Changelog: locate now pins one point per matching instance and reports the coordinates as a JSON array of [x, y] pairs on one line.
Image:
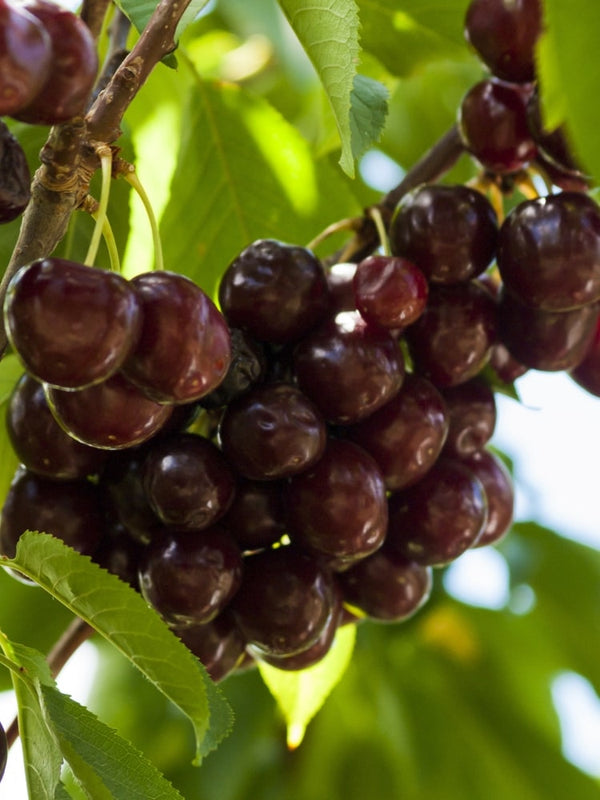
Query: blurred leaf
[[243, 173], [407, 34], [328, 32], [569, 76], [119, 613], [301, 694]]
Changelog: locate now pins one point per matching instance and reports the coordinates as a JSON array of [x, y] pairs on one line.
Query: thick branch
[[155, 42]]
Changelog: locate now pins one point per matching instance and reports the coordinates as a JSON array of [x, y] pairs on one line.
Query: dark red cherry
[[449, 232], [549, 251], [71, 325], [406, 435], [271, 432], [504, 33], [389, 291], [275, 291], [498, 486], [348, 367], [112, 415], [184, 349], [256, 518], [338, 508], [493, 124], [15, 178], [441, 516], [386, 586], [472, 414], [218, 644], [69, 510], [72, 71], [25, 56], [285, 600], [38, 440], [189, 578]]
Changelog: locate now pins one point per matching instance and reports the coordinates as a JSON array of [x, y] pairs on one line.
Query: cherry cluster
[[48, 66]]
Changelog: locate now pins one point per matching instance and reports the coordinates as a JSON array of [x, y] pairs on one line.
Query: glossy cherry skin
[[25, 55], [449, 232], [272, 432], [69, 510], [504, 33], [441, 516], [340, 280], [386, 586], [472, 415], [247, 367], [190, 577], [15, 177], [72, 71], [275, 291], [184, 349], [389, 291], [499, 491], [72, 326], [120, 554], [550, 341], [110, 415], [284, 602], [256, 518], [338, 508], [493, 124], [406, 435], [549, 251], [587, 372], [188, 482], [452, 341], [218, 644], [38, 440], [349, 368]]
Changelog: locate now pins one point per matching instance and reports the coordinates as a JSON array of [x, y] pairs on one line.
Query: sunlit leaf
[[301, 694], [368, 113]]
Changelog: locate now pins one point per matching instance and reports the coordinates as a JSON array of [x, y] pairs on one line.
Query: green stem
[[135, 182], [384, 239], [111, 244], [105, 155]]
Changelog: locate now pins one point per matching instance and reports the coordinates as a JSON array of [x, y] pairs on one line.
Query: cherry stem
[[348, 224], [105, 155], [384, 239], [132, 178], [74, 636]]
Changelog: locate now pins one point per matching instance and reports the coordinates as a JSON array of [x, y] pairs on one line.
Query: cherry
[[184, 349], [452, 340], [386, 586], [15, 178], [504, 33], [3, 751], [284, 602], [348, 367], [389, 291], [256, 518], [499, 492], [26, 53], [449, 232], [57, 343], [69, 510], [72, 70], [472, 414], [406, 435], [218, 644], [189, 578], [441, 516], [111, 415], [549, 251], [38, 440], [271, 432], [493, 124], [275, 291], [187, 481], [338, 508]]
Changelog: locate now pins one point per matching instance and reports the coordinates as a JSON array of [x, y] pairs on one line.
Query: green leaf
[[328, 31], [140, 11], [367, 114], [108, 767], [570, 74], [301, 694], [243, 173], [405, 35], [41, 755], [120, 614]]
